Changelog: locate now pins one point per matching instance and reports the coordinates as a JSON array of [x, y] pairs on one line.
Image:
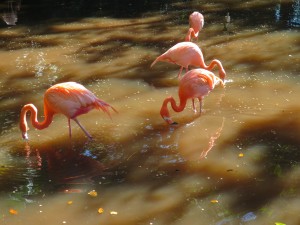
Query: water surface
[[236, 163]]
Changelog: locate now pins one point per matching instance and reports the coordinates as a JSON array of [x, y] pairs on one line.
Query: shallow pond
[[236, 163]]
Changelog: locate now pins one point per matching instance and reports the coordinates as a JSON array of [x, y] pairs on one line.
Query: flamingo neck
[[214, 62], [34, 121], [181, 105], [190, 34], [164, 112]]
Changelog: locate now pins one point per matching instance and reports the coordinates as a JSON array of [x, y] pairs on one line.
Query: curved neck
[[211, 66], [33, 117], [164, 112], [190, 34], [181, 105]]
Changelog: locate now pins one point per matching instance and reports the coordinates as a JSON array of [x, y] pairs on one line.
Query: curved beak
[[169, 120]]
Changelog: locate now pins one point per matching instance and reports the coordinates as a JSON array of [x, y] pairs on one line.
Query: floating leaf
[[93, 193], [70, 202], [241, 155], [278, 223], [214, 201], [113, 213], [100, 210], [13, 212]]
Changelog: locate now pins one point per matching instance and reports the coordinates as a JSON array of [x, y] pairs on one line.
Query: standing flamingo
[[196, 21], [196, 83], [188, 53], [71, 99]]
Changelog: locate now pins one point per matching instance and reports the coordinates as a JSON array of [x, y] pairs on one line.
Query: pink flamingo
[[71, 99], [196, 21], [196, 83], [188, 53]]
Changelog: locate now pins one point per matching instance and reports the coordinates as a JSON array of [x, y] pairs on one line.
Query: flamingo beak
[[169, 120]]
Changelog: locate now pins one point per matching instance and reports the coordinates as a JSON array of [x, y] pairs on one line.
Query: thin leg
[[200, 101], [180, 72], [83, 129], [193, 102], [70, 131]]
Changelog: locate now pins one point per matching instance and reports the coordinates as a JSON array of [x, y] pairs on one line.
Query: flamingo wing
[[196, 83], [184, 53], [72, 99]]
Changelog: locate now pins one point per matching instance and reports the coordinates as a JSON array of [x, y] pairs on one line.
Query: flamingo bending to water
[[196, 83], [188, 53], [196, 21], [71, 99]]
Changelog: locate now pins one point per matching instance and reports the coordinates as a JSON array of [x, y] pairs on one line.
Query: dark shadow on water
[[73, 165], [68, 10], [278, 138], [50, 169], [64, 164]]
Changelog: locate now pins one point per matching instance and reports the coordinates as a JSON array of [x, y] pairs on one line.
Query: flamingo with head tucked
[[196, 83], [188, 53], [71, 99], [196, 21]]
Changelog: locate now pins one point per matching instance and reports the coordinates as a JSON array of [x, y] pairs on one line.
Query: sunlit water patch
[[235, 163]]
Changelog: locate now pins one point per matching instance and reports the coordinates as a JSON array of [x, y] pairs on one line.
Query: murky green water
[[236, 163]]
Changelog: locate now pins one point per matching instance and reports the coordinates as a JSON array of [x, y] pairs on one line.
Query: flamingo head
[[164, 112], [24, 128]]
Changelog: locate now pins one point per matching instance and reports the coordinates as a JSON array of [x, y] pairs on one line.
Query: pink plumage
[[69, 98]]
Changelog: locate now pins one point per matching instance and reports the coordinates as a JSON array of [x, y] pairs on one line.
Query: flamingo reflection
[[174, 139], [66, 167], [212, 140]]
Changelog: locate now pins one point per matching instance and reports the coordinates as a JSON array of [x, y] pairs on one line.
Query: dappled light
[[235, 162]]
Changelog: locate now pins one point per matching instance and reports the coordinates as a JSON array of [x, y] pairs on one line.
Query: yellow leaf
[[241, 155], [113, 213], [214, 201], [100, 210], [13, 212], [70, 202], [93, 193]]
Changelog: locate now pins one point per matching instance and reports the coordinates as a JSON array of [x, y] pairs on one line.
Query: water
[[237, 163]]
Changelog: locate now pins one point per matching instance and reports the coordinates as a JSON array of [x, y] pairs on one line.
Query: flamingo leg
[[70, 131], [180, 72], [193, 102], [200, 101], [83, 129]]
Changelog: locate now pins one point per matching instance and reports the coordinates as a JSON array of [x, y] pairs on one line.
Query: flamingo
[[188, 53], [196, 21], [196, 83], [69, 98]]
